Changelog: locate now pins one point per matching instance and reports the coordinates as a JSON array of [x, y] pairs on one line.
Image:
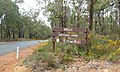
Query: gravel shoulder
[[8, 61]]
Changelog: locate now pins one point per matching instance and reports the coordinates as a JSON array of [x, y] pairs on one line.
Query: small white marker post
[[17, 54]]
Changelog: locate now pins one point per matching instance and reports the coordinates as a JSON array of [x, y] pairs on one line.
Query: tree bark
[[119, 12], [119, 16], [1, 31], [91, 15], [13, 35], [62, 18], [99, 20], [78, 20]]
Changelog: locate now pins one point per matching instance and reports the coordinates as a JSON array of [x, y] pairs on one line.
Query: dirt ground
[[8, 62]]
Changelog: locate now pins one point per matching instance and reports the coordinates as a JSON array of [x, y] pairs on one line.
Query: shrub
[[103, 48], [100, 47]]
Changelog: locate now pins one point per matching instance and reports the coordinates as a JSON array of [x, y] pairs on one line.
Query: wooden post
[[86, 48], [53, 43], [86, 35], [53, 46]]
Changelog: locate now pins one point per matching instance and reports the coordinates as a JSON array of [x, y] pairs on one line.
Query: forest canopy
[[15, 25], [100, 16]]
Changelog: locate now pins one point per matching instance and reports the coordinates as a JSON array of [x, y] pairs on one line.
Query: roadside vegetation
[[101, 48]]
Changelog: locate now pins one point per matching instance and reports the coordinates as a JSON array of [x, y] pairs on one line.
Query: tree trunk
[[119, 12], [1, 32], [96, 25], [65, 18], [91, 15], [21, 32], [103, 24], [9, 34], [78, 20], [119, 16], [99, 20], [62, 17], [13, 35]]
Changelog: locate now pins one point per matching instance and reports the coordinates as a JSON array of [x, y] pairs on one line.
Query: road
[[7, 47]]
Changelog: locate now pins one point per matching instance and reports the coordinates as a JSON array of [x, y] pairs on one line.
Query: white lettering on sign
[[74, 35], [67, 35], [74, 41], [67, 29]]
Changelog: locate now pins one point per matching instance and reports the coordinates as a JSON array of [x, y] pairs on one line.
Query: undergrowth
[[103, 48], [63, 55], [99, 47]]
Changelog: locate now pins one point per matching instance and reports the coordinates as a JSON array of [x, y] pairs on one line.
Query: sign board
[[69, 29], [70, 41], [61, 35], [68, 35]]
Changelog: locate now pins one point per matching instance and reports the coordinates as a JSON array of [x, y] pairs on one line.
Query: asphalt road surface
[[7, 47]]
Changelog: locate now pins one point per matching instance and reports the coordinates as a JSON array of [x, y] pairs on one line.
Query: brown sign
[[79, 38], [69, 29], [70, 41], [69, 35]]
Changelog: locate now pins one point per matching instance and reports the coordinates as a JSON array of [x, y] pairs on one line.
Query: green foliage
[[103, 48], [56, 59], [14, 25]]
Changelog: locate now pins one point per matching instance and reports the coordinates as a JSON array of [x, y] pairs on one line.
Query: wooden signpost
[[81, 36]]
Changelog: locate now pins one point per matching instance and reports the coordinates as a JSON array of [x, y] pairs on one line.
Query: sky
[[31, 4]]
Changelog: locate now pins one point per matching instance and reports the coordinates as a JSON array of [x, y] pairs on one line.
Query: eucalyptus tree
[[55, 13], [11, 14], [101, 16], [118, 1], [14, 24]]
